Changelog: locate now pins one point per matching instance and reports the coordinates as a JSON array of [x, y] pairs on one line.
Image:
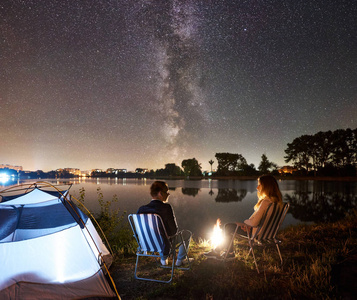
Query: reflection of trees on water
[[190, 191], [224, 195], [230, 195], [322, 204]]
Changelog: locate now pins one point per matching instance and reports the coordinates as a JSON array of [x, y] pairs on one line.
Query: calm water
[[198, 204]]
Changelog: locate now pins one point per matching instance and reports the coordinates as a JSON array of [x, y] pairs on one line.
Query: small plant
[[82, 194], [110, 220]]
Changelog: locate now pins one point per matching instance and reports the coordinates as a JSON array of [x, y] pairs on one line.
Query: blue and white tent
[[49, 249]]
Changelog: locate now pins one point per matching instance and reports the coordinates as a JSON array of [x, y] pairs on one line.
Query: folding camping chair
[[265, 233], [150, 239]]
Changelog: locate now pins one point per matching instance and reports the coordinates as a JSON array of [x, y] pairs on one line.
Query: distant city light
[[4, 177]]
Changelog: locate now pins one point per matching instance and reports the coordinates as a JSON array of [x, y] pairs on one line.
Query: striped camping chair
[[150, 234], [265, 232]]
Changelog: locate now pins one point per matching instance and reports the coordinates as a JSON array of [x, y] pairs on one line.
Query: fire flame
[[217, 236]]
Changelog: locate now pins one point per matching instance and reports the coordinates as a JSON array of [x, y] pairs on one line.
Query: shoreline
[[312, 178]]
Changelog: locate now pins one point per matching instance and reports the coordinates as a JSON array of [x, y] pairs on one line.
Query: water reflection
[[190, 191], [8, 181], [230, 195], [324, 203], [223, 195], [198, 204]]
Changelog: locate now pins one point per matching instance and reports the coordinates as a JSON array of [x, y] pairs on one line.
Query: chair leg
[[136, 267], [172, 267], [231, 242], [281, 259], [256, 265], [250, 250]]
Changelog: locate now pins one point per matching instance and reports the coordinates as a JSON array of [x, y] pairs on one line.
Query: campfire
[[217, 236]]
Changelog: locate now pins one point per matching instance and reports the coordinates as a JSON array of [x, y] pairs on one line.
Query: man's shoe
[[164, 262], [230, 255], [180, 262], [212, 254]]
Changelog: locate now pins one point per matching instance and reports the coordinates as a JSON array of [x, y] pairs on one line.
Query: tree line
[[329, 153], [229, 164]]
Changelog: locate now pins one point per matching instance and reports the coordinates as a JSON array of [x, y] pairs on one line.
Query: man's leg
[[164, 259], [183, 249]]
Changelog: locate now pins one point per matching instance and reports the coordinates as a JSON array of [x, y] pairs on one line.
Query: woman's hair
[[269, 189], [156, 187]]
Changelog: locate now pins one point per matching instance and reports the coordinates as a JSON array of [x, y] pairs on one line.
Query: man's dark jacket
[[165, 211]]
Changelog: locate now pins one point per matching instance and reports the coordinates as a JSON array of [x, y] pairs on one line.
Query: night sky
[[141, 83]]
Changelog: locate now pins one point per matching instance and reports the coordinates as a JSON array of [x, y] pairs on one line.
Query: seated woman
[[268, 192]]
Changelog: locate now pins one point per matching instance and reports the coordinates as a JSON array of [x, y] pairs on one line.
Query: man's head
[[159, 191]]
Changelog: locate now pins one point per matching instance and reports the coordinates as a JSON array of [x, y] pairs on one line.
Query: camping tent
[[49, 249]]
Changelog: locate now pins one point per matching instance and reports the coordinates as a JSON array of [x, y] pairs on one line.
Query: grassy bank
[[320, 262]]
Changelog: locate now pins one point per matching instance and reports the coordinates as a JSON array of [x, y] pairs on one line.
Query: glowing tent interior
[[49, 248]]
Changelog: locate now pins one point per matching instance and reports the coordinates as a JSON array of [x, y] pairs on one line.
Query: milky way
[[138, 84]]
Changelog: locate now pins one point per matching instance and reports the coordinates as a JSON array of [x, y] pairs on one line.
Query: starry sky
[[141, 83]]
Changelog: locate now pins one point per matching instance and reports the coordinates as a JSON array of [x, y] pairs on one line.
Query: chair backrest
[[271, 221], [146, 228]]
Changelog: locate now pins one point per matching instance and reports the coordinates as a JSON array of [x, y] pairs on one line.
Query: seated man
[[158, 205]]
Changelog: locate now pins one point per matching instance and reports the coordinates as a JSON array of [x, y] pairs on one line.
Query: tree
[[266, 166], [299, 152], [326, 152], [321, 149], [230, 163], [191, 167], [172, 170], [211, 163], [342, 147], [249, 170]]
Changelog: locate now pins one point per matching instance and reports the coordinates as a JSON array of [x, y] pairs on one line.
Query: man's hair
[[156, 187]]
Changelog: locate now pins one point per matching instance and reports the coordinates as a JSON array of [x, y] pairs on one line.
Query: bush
[[110, 224]]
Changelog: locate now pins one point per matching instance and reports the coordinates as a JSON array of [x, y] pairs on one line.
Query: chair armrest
[[180, 232], [175, 235], [249, 226]]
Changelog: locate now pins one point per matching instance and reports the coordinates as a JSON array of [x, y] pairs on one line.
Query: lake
[[199, 203]]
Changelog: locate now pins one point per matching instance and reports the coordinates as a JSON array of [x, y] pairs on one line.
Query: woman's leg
[[229, 230]]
